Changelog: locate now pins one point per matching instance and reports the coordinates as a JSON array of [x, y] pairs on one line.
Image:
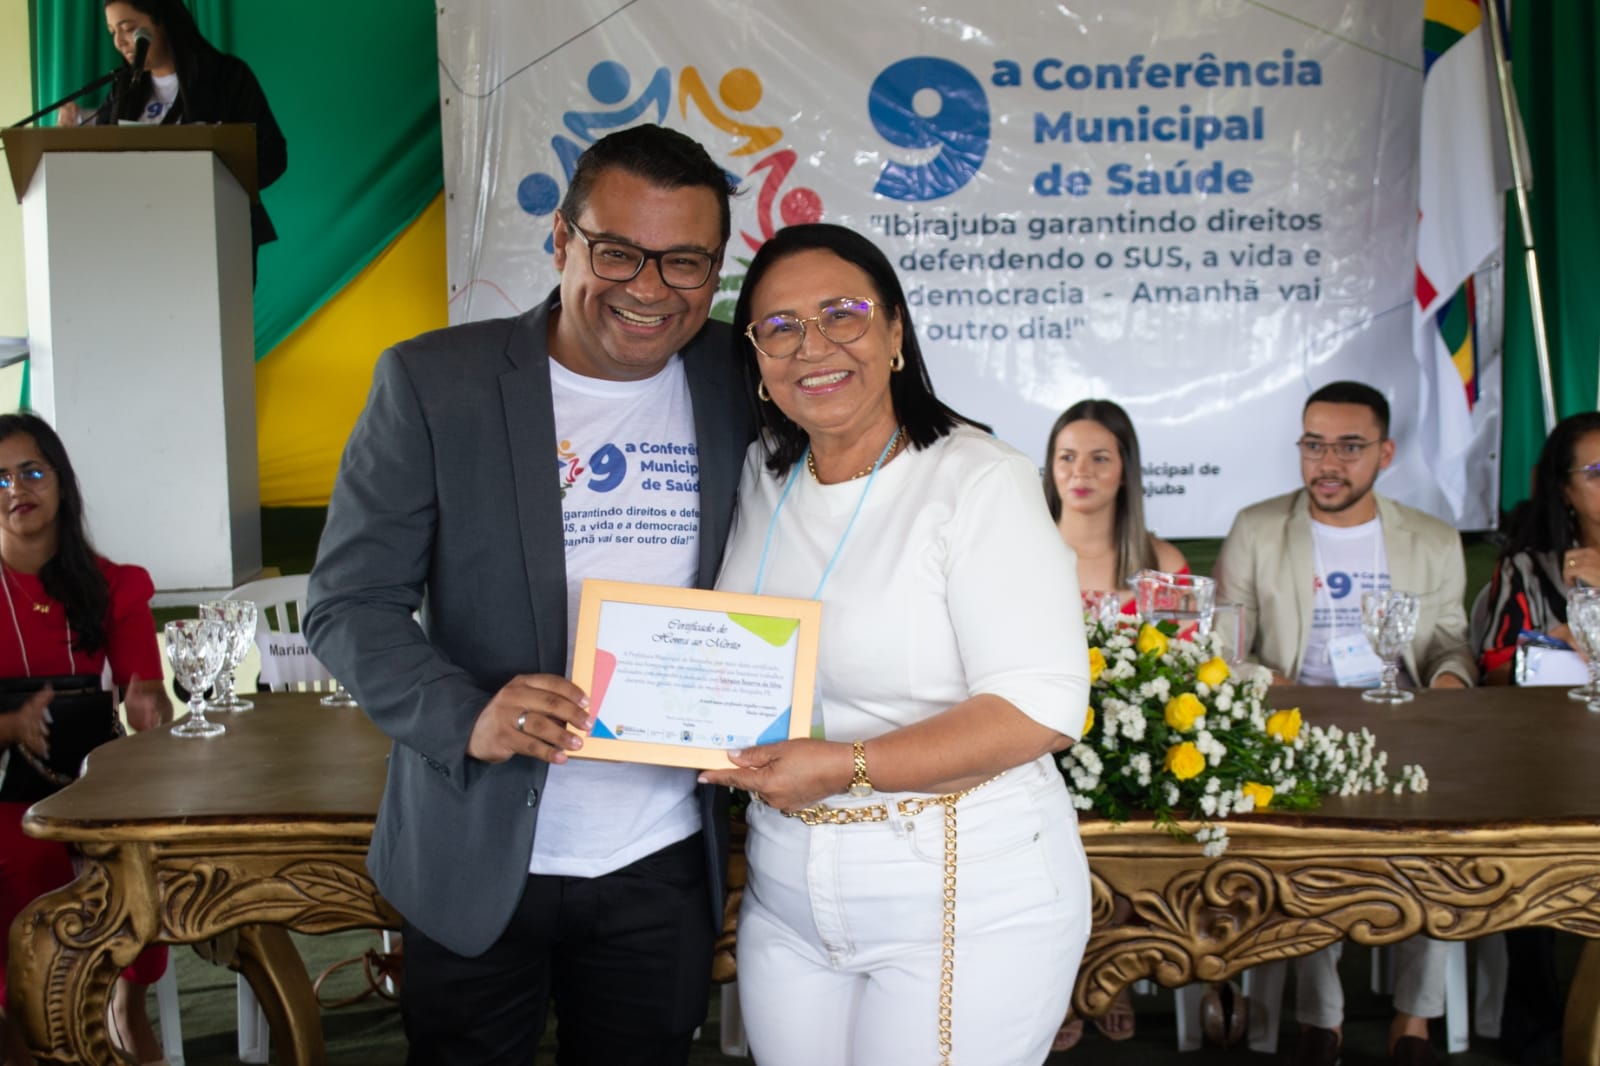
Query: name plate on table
[[680, 677]]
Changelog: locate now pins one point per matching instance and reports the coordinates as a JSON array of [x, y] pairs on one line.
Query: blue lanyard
[[772, 524]]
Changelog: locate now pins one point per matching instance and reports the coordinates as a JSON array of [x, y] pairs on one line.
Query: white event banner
[[1202, 209]]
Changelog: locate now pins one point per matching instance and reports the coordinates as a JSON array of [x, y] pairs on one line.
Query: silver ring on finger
[[522, 720]]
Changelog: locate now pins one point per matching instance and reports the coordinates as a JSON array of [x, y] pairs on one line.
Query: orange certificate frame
[[680, 677]]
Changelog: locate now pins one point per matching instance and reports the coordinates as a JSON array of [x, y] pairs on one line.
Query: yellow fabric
[[311, 388]]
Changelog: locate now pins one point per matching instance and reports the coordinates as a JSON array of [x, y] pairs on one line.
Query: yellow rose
[[1182, 710], [1151, 639], [1088, 721], [1097, 664], [1285, 725], [1184, 761], [1262, 794], [1212, 672]]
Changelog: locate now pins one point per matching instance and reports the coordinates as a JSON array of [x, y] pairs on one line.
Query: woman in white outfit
[[917, 892]]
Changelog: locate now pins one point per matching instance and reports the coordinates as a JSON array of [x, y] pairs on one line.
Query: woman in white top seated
[[952, 665]]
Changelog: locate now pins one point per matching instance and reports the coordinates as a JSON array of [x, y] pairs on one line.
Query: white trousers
[[1419, 965], [840, 930]]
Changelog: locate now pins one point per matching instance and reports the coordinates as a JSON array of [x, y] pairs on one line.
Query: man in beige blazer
[[1297, 564]]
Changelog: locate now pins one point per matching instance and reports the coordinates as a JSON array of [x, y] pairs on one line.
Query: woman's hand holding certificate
[[790, 774]]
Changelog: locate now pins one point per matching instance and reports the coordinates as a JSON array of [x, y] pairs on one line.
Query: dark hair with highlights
[[73, 576], [663, 157], [1544, 521], [190, 51], [923, 415], [1136, 549]]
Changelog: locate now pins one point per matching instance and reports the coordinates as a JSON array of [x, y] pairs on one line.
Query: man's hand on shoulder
[[544, 705]]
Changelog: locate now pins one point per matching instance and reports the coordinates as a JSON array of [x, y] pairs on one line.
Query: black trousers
[[625, 958]]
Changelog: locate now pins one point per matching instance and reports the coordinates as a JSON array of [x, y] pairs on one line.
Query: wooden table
[[1507, 835], [266, 828], [262, 829]]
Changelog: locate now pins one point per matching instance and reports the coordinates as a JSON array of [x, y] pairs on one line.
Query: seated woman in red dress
[[64, 610]]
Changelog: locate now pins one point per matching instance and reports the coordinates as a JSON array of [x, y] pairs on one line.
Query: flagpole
[[1511, 115]]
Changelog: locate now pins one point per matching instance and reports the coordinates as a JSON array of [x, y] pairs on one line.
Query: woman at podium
[[185, 79]]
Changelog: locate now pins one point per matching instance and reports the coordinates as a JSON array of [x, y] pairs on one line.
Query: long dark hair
[[72, 577], [1544, 521], [1136, 548], [924, 416], [190, 52]]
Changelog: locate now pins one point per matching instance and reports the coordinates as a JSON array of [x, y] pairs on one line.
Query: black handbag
[[83, 716]]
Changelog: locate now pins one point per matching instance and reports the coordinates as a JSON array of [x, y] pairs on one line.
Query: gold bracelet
[[860, 786]]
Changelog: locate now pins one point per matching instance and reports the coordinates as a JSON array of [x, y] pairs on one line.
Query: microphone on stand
[[142, 39]]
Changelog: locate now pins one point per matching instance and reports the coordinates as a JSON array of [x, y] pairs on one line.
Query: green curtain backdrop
[[1554, 45], [355, 86]]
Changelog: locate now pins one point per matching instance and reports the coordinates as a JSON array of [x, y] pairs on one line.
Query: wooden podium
[[137, 253]]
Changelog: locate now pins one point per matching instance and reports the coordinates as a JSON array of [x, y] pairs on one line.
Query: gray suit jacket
[[1266, 565], [447, 500]]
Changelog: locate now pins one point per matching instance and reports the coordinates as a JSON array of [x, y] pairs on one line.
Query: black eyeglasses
[[26, 475], [681, 268], [1346, 451], [782, 335]]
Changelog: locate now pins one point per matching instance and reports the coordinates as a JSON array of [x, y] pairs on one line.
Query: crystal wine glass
[[1389, 619], [339, 697], [1187, 599], [238, 618], [1583, 618], [1102, 609], [196, 648]]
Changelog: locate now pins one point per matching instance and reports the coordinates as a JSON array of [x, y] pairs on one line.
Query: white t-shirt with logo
[[1347, 561], [163, 93], [629, 471]]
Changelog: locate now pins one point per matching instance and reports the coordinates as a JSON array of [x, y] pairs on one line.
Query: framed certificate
[[680, 677]]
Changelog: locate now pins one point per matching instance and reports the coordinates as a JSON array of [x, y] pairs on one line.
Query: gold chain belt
[[822, 814]]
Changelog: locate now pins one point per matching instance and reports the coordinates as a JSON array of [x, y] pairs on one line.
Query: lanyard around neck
[[772, 524]]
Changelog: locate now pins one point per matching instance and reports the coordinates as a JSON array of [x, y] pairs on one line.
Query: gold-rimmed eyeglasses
[[611, 260], [1346, 451], [781, 335]]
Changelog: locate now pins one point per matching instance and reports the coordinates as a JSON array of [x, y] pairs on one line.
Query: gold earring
[[761, 391], [897, 362]]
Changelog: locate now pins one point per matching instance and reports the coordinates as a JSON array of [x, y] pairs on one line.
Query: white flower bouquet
[[1174, 733]]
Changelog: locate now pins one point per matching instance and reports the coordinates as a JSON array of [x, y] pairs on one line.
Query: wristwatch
[[859, 784]]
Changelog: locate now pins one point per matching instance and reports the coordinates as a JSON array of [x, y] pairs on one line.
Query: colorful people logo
[[739, 91]]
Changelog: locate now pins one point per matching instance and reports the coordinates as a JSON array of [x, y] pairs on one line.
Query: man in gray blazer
[[1297, 565], [495, 466]]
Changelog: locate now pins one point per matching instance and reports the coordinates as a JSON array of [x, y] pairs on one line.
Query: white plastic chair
[[1263, 987], [287, 664]]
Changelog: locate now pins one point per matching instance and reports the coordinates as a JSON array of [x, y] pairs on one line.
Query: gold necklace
[[888, 453], [39, 608]]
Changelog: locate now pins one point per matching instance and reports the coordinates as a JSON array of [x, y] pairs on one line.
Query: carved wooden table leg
[[67, 948], [1580, 1035], [269, 961]]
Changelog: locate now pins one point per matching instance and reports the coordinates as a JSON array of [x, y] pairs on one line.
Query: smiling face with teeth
[[627, 330], [838, 393]]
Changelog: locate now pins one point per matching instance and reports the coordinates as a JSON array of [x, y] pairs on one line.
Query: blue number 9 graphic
[[1339, 584], [959, 129], [609, 466]]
